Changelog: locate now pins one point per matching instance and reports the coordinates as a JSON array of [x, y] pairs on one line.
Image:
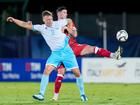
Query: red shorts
[[77, 49]]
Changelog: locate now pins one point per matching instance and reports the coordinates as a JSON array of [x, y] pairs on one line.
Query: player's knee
[[88, 50], [77, 75], [91, 49], [48, 70], [61, 71]]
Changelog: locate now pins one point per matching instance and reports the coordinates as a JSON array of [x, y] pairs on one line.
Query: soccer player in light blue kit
[[52, 32]]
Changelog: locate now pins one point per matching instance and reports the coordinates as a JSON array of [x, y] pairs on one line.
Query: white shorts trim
[[51, 64], [69, 69]]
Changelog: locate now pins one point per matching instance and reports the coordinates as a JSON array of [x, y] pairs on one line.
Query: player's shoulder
[[38, 27], [61, 20]]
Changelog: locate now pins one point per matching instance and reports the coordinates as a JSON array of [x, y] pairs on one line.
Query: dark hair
[[61, 8], [46, 13]]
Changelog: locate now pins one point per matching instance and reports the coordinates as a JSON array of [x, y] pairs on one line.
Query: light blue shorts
[[65, 56]]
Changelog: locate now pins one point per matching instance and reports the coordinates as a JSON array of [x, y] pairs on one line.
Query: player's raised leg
[[100, 51]]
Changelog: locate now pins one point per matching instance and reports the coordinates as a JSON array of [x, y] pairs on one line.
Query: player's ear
[[43, 19]]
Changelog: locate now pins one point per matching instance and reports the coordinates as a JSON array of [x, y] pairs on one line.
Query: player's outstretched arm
[[20, 23]]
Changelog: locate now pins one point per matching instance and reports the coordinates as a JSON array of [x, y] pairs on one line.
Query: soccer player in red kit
[[79, 50]]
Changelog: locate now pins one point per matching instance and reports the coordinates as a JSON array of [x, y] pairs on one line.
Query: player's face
[[62, 14], [48, 20]]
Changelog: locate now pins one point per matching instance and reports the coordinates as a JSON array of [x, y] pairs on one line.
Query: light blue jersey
[[58, 43]]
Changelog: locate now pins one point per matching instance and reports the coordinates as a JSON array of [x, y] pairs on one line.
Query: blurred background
[[97, 23], [89, 17]]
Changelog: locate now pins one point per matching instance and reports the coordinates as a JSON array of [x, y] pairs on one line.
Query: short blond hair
[[46, 13]]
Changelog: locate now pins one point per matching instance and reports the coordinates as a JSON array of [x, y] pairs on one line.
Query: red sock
[[58, 83], [103, 52]]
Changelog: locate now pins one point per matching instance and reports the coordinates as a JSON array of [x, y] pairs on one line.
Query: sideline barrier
[[104, 70], [28, 70]]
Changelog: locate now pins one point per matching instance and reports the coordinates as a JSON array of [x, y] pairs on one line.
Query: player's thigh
[[61, 69], [76, 72], [70, 62], [77, 49], [53, 61], [49, 69], [87, 50]]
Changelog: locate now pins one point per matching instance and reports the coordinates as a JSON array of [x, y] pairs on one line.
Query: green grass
[[98, 94]]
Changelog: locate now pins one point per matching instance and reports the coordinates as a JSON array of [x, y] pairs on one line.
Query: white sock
[[56, 94]]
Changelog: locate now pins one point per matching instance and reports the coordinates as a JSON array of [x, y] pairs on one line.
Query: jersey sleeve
[[37, 27]]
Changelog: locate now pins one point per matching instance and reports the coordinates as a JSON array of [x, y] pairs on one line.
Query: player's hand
[[74, 29], [10, 19]]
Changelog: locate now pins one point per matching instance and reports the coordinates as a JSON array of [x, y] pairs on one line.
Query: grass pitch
[[20, 93]]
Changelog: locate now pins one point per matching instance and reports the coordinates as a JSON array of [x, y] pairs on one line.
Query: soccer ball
[[122, 35]]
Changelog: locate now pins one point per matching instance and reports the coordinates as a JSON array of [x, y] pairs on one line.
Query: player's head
[[61, 12], [47, 17]]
